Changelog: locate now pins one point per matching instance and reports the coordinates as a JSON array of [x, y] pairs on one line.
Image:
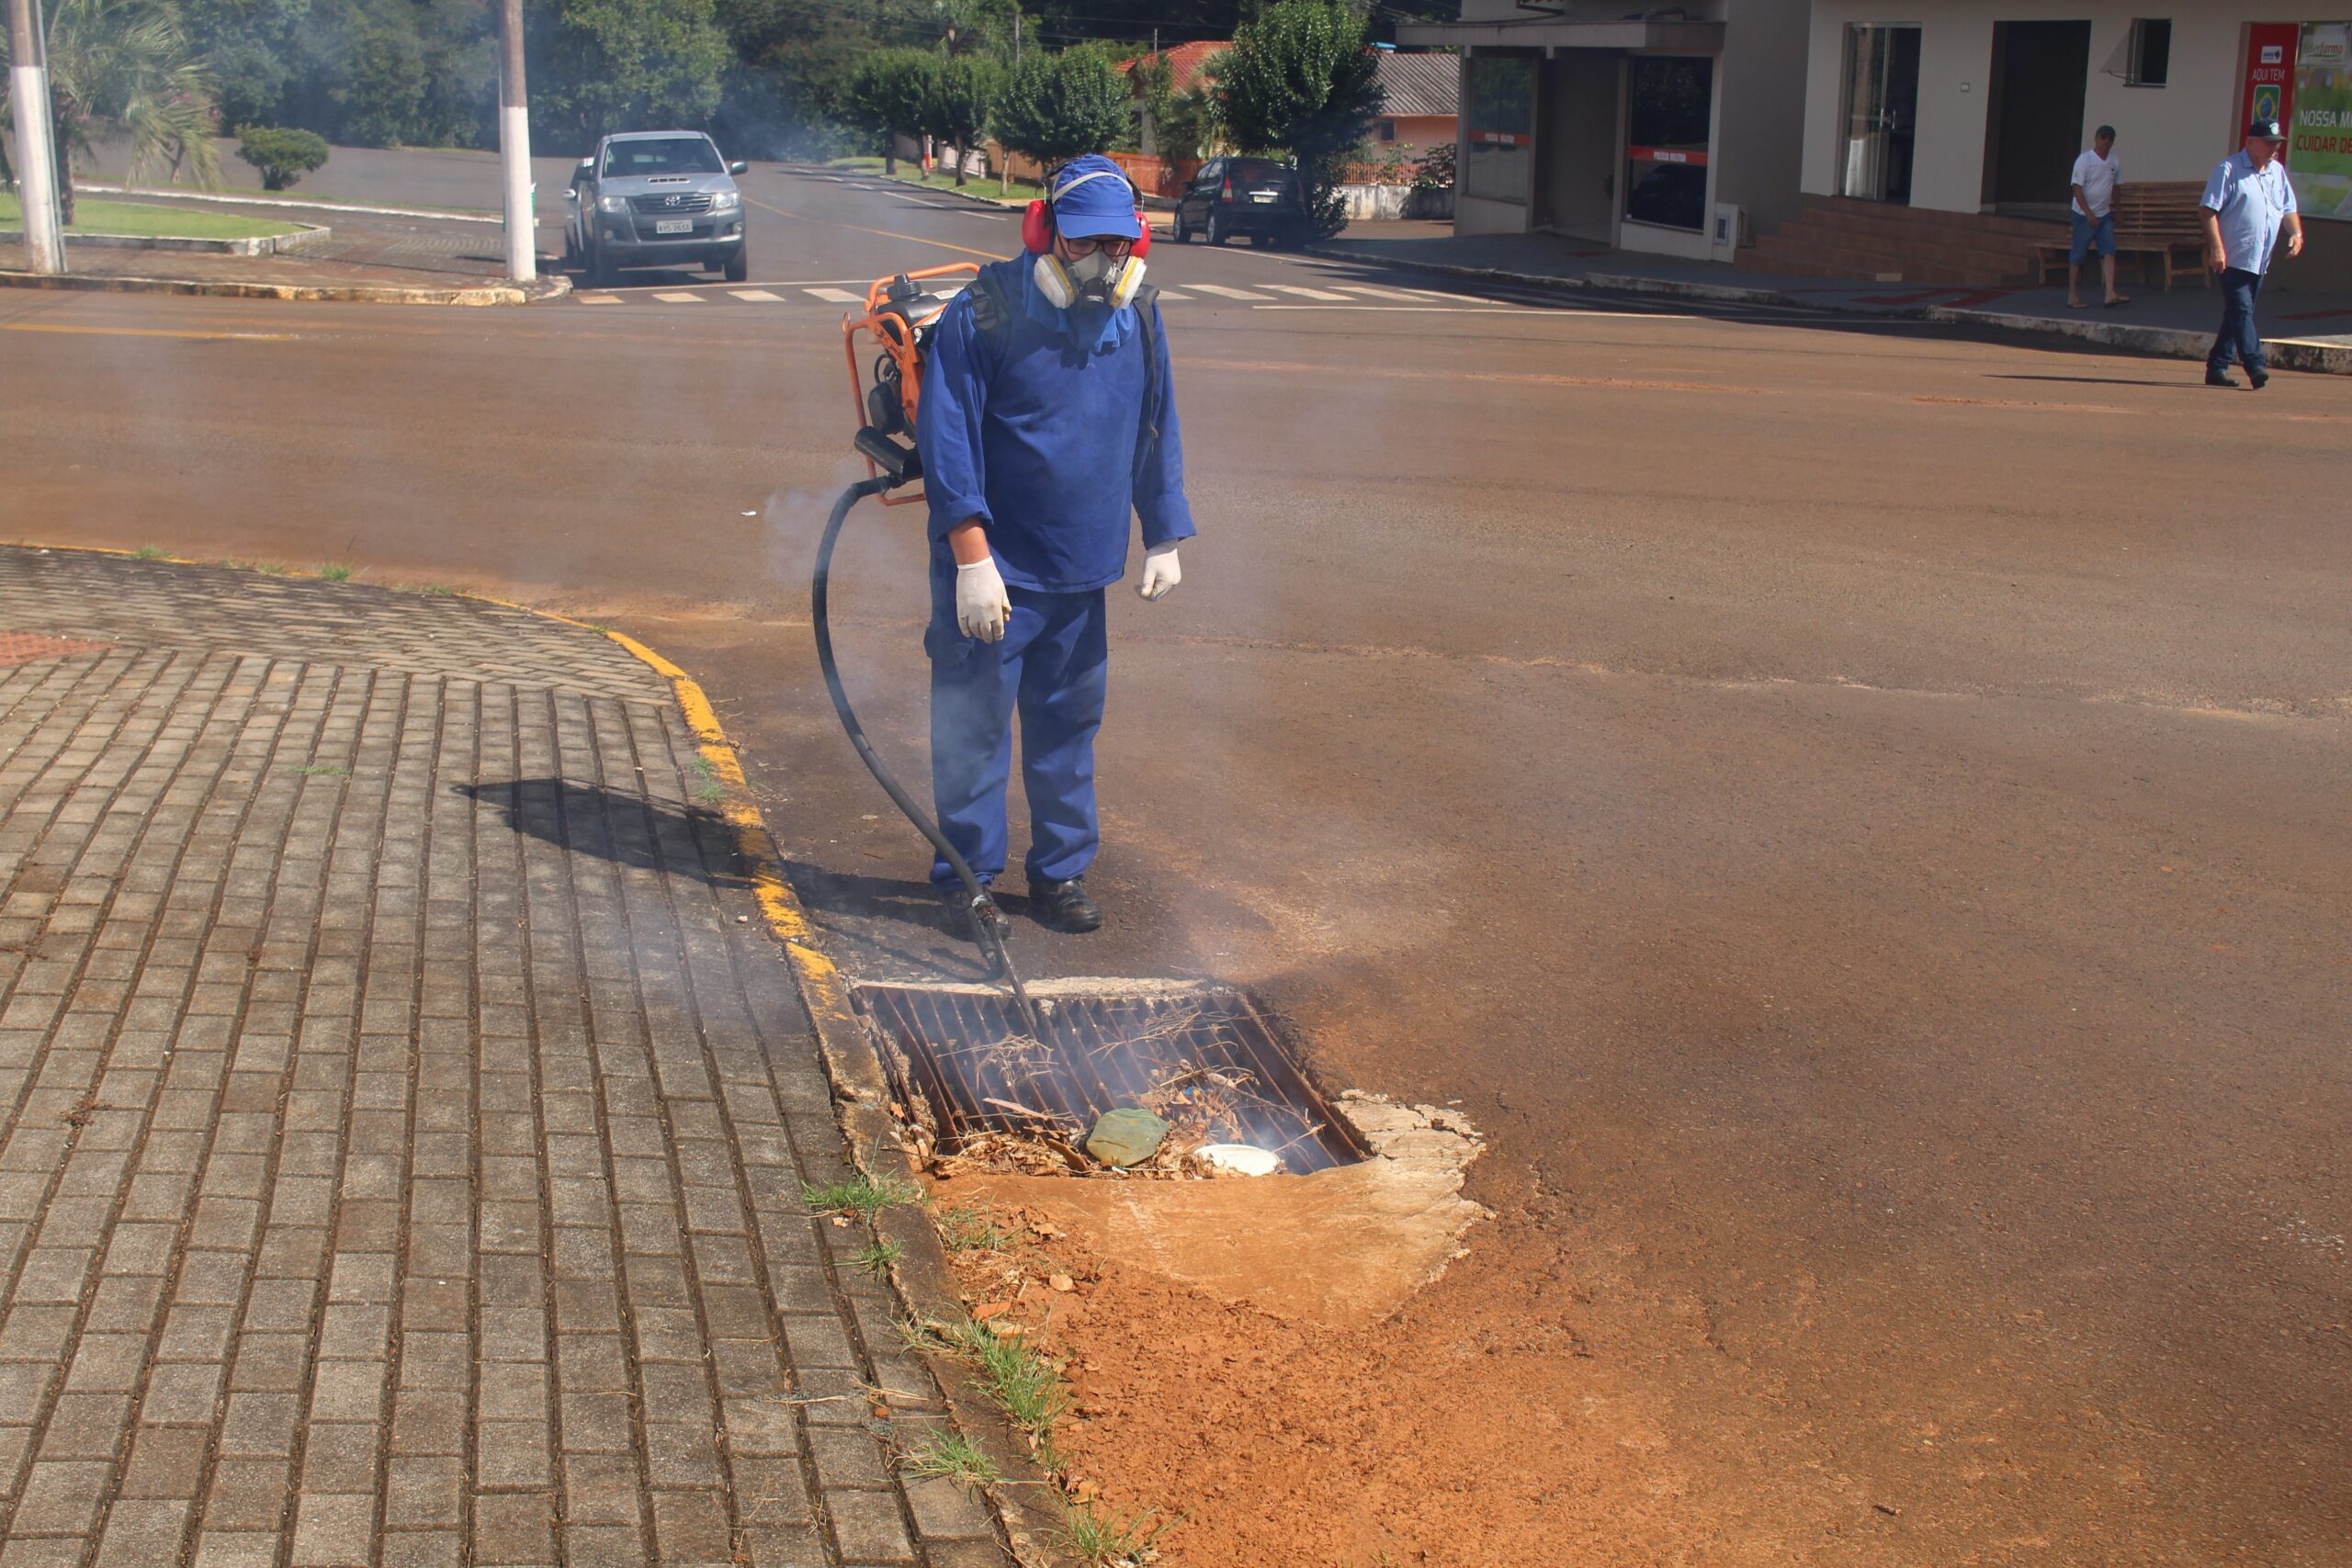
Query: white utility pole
[[514, 146], [36, 157]]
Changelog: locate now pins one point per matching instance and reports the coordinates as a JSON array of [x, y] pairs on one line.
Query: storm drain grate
[[1208, 1060]]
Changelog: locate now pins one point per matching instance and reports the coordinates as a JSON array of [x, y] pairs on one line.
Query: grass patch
[[1019, 1381], [437, 591], [149, 220], [860, 1195], [324, 771], [707, 789], [149, 552], [953, 1456], [335, 573], [877, 1256], [972, 1230], [1112, 1540], [271, 569]]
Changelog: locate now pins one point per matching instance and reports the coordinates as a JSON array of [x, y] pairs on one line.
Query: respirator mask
[[1100, 278]]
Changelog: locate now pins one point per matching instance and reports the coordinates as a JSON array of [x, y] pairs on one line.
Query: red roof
[[1185, 61]]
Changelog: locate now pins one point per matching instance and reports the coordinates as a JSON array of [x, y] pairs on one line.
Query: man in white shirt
[[2093, 210]]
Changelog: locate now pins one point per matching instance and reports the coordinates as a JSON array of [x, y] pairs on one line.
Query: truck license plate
[[673, 225]]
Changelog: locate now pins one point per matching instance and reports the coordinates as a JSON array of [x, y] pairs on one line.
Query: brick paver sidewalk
[[406, 1110]]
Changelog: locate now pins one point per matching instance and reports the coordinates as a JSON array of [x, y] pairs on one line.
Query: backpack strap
[[992, 313], [1146, 308]]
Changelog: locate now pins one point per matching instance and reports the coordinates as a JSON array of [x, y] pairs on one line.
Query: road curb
[[542, 288], [2164, 343], [264, 198], [256, 245], [922, 1278]]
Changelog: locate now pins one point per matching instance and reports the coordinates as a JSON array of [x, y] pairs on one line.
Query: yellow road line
[[146, 332], [886, 233]]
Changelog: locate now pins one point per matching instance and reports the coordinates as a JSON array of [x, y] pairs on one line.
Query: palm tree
[[126, 67]]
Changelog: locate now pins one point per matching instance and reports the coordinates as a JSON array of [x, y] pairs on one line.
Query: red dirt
[[1300, 1444]]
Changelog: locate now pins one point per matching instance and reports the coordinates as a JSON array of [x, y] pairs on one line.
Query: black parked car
[[1256, 197]]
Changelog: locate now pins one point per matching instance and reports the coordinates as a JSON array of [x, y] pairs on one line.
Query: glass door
[[1882, 112]]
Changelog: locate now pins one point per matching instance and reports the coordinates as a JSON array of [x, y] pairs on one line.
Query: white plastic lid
[[1242, 1159]]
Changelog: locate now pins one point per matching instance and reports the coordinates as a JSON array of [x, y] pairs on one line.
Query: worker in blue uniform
[[1047, 422]]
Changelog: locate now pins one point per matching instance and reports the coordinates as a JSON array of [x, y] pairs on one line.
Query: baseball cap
[[1091, 199], [2265, 129]]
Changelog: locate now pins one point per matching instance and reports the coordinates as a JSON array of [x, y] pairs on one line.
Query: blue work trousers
[[2238, 337], [1052, 668]]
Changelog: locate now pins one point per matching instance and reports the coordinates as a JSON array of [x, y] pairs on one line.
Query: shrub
[[283, 155]]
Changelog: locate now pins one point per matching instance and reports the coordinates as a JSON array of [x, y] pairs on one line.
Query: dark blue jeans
[[2237, 339], [1051, 668]]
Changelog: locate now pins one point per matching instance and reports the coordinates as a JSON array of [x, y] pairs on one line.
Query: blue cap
[[1091, 199]]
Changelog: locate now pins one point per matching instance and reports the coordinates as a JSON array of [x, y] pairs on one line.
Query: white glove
[[1160, 572], [981, 604]]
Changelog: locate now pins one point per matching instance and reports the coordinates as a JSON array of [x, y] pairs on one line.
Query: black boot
[[1066, 905], [961, 914]]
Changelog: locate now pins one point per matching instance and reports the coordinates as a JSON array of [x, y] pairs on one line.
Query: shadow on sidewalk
[[627, 830]]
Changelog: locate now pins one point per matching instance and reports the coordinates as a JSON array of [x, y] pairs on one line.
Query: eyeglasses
[[1114, 246]]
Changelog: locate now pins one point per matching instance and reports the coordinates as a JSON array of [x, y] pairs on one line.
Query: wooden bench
[[2155, 221]]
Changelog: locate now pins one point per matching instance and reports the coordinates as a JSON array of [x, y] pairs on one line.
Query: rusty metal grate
[[23, 648], [967, 1057]]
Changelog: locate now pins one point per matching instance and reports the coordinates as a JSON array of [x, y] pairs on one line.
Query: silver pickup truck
[[655, 199]]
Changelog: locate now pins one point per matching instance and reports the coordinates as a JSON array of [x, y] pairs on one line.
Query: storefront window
[[1669, 105], [1498, 126]]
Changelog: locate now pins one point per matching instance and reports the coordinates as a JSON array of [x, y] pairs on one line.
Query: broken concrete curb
[[540, 289]]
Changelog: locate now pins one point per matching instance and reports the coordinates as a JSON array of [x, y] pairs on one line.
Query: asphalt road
[[1857, 814]]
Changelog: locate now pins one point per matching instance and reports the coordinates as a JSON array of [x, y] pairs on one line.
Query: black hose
[[981, 907]]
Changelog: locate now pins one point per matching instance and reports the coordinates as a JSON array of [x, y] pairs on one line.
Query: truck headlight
[[612, 204], [725, 201]]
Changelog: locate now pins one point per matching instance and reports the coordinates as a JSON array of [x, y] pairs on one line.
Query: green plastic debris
[[1126, 1136]]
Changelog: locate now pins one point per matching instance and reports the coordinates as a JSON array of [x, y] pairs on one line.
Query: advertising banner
[[2319, 122], [2270, 75]]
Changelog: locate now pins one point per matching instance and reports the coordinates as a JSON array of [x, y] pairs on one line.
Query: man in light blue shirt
[[2248, 203]]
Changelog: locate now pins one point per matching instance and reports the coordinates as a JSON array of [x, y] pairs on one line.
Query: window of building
[[1499, 115], [1388, 130], [1669, 104], [2149, 61]]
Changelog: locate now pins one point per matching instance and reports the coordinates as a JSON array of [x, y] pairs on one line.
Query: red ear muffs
[[1143, 237]]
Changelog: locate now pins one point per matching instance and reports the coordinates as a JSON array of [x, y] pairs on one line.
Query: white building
[[1972, 106], [1658, 132]]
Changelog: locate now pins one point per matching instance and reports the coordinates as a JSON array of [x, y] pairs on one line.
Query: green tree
[[1056, 106], [251, 47], [892, 95], [1300, 80], [282, 156], [598, 66], [125, 68], [1194, 124], [963, 93]]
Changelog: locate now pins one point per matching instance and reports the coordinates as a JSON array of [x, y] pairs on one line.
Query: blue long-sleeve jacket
[[1047, 442]]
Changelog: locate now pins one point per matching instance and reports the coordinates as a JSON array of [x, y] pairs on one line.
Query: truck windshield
[[673, 155]]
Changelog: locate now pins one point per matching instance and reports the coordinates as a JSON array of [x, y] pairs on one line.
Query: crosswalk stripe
[[836, 296], [679, 298], [757, 296], [1305, 293], [598, 298], [1393, 293], [1220, 289]]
